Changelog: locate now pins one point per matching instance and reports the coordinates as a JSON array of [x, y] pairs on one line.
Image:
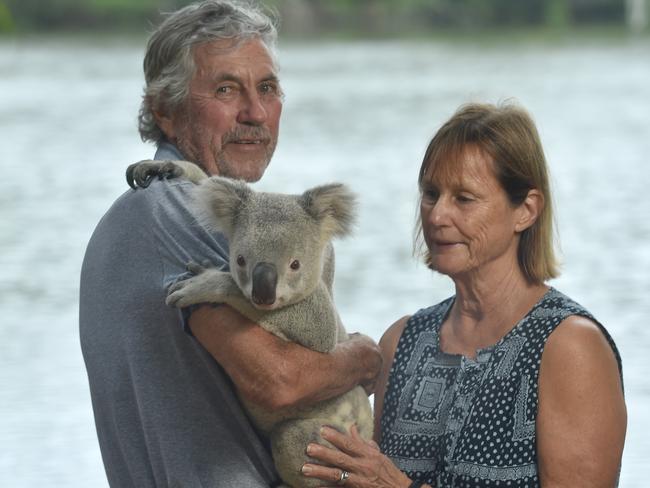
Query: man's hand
[[368, 354]]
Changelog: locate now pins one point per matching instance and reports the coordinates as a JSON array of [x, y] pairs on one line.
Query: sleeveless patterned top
[[457, 422]]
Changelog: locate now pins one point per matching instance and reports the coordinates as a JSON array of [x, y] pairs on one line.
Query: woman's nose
[[439, 212]]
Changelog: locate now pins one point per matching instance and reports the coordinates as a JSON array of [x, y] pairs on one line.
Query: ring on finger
[[343, 478]]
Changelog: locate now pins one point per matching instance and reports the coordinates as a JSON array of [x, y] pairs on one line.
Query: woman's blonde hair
[[507, 134]]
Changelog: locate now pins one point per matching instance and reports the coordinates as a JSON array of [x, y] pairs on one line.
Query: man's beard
[[246, 132], [191, 150]]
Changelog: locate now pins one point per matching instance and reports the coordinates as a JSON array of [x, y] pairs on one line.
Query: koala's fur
[[268, 233]]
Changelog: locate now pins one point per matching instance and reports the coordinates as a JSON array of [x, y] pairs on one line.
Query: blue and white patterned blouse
[[457, 422]]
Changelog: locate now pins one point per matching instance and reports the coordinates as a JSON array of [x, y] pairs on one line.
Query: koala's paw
[[197, 289], [196, 268], [181, 294], [142, 173]]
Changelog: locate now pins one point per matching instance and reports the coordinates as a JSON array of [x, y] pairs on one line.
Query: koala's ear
[[220, 201], [333, 206]]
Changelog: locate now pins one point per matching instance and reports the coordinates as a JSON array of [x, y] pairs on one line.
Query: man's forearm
[[273, 373], [354, 362]]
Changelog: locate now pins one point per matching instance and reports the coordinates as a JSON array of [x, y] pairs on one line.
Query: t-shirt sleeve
[[179, 236]]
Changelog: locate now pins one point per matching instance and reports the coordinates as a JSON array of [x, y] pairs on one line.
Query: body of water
[[357, 112]]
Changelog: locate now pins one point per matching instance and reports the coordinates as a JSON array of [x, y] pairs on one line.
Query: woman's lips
[[444, 245]]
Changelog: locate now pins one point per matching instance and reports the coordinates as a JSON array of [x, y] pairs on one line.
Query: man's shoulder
[[159, 195], [164, 204]]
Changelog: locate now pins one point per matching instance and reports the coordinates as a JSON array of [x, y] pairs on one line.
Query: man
[[162, 382]]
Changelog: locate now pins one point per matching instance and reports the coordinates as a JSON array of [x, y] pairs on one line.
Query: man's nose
[[252, 111]]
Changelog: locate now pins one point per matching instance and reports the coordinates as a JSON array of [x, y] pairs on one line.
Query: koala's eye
[[295, 265], [241, 261]]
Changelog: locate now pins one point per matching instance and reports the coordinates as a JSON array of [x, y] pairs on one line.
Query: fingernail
[[306, 469], [310, 449]]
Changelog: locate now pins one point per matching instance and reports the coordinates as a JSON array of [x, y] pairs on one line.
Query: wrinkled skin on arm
[[277, 374], [582, 418]]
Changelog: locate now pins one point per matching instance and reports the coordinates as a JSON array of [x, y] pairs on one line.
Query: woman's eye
[[241, 261], [464, 198], [295, 265], [430, 195]]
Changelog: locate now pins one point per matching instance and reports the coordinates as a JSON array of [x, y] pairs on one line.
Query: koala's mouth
[[264, 306], [279, 302]]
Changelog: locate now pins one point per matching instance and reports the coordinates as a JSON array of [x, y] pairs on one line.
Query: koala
[[281, 277]]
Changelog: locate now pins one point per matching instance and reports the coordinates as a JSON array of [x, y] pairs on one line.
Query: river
[[357, 112]]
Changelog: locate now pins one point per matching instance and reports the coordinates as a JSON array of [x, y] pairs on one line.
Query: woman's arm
[[388, 346], [582, 419], [274, 373]]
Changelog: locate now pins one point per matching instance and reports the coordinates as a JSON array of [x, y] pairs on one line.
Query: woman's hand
[[361, 459]]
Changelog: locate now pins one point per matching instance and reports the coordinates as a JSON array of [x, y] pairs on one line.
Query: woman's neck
[[487, 306]]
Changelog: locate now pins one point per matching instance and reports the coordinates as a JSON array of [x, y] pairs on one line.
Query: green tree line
[[321, 16]]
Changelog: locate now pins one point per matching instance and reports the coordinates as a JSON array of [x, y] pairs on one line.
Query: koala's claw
[[130, 175], [141, 174], [196, 268], [173, 298], [205, 286], [177, 295], [169, 170], [174, 288]]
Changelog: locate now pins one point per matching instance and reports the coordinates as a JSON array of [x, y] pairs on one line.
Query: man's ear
[[529, 210], [166, 124]]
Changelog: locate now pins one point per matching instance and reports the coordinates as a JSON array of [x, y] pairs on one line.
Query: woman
[[509, 382]]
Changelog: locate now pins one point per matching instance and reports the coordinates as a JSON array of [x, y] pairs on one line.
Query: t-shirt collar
[[167, 151]]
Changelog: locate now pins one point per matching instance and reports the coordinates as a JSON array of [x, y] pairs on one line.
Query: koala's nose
[[265, 279]]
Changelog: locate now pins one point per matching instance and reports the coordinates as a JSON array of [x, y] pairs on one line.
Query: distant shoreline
[[489, 36]]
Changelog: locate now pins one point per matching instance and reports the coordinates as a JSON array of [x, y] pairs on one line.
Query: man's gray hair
[[169, 62]]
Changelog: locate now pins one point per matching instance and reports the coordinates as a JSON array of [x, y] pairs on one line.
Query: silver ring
[[344, 477]]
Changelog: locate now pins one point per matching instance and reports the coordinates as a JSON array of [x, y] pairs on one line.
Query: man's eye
[[268, 88], [225, 90]]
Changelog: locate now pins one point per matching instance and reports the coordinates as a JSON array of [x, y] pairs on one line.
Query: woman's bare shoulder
[[582, 417], [578, 339], [390, 339]]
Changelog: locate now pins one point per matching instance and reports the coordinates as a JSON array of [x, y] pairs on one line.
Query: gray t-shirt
[[165, 412]]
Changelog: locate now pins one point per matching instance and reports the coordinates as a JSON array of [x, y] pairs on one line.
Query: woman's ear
[[529, 210]]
